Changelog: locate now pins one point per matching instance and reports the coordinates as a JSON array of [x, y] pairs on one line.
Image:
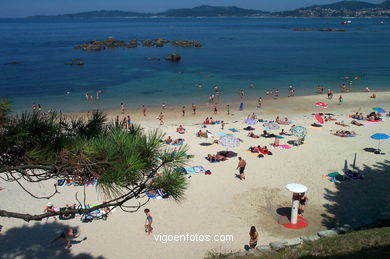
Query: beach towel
[[335, 176], [371, 123], [283, 146], [315, 128], [158, 196], [190, 170], [178, 144], [252, 153], [233, 130]]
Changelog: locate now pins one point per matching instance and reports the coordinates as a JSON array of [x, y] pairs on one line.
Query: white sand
[[220, 203]]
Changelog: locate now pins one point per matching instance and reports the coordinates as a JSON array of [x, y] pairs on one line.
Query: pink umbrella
[[321, 104], [319, 118]]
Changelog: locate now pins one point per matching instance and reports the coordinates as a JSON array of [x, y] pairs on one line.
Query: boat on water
[[347, 22]]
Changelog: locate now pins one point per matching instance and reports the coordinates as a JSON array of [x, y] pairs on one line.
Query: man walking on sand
[[241, 166]]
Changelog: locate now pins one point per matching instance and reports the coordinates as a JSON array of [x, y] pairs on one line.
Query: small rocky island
[[75, 62], [316, 29], [110, 42]]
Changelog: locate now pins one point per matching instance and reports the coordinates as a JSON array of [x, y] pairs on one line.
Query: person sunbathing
[[212, 121], [388, 114], [267, 135], [216, 141], [278, 120], [316, 125], [67, 207], [252, 135], [373, 96], [355, 116], [169, 140], [254, 149], [178, 141], [356, 123], [181, 129], [286, 121], [200, 133], [341, 124], [283, 133], [345, 133], [206, 121], [265, 151]]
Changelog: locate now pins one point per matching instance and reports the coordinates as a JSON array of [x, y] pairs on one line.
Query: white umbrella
[[296, 187]]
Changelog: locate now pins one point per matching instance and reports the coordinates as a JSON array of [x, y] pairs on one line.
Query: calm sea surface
[[236, 53]]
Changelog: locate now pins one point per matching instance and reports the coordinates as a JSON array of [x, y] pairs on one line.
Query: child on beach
[[148, 222], [254, 237], [50, 208], [67, 235]]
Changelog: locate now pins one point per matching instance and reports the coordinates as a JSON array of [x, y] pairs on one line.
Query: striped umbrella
[[299, 131], [229, 141]]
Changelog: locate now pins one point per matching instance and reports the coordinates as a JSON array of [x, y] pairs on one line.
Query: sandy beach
[[221, 204]]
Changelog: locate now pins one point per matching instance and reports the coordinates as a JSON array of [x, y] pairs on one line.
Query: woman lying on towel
[[356, 123], [284, 133], [262, 150], [170, 141], [329, 118], [253, 135], [344, 133], [284, 122], [341, 124], [181, 129], [204, 134], [267, 135], [215, 158], [374, 116]]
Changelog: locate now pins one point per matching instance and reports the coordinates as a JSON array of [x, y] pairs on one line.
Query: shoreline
[[270, 106]]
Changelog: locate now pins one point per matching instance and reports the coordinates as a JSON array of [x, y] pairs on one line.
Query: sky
[[23, 8]]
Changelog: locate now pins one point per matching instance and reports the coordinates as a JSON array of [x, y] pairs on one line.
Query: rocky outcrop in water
[[314, 29], [174, 57], [110, 42], [75, 62]]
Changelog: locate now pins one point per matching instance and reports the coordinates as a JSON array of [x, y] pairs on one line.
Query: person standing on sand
[[122, 108], [222, 125], [228, 109], [148, 222], [194, 108], [254, 237], [302, 203], [163, 106], [183, 110], [117, 122], [91, 98], [215, 109], [161, 118], [50, 208], [128, 121], [67, 235], [242, 94], [276, 93], [144, 110], [86, 96], [241, 106], [241, 166], [340, 99], [259, 102]]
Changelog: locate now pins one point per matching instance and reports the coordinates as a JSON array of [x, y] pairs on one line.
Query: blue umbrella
[[379, 109], [379, 137]]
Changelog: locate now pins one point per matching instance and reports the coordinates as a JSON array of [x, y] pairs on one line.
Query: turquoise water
[[236, 53]]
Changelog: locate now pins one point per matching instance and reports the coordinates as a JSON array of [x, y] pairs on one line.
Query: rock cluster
[[75, 62], [174, 57], [110, 42]]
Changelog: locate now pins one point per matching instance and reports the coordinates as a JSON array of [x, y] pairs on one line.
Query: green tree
[[127, 163]]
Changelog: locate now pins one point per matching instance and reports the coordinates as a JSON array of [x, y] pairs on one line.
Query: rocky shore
[[110, 42]]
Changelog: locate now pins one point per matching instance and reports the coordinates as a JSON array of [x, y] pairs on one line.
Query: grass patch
[[367, 244]]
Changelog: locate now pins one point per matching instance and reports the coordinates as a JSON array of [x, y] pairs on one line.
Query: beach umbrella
[[379, 109], [379, 137], [319, 118], [299, 131], [321, 104], [229, 141], [250, 121], [296, 188], [271, 125]]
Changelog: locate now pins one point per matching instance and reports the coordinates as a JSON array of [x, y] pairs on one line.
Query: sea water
[[236, 53]]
